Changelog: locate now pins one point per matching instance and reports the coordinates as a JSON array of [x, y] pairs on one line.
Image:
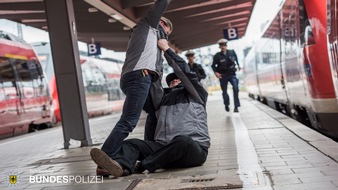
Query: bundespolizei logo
[[12, 179]]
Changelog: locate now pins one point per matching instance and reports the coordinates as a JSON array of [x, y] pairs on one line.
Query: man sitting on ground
[[181, 135]]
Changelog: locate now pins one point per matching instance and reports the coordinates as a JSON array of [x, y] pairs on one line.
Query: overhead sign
[[230, 33], [94, 49]]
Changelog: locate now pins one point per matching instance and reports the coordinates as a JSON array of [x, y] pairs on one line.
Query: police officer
[[197, 68], [224, 67]]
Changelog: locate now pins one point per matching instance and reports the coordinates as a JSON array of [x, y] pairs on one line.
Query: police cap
[[189, 53], [222, 41]]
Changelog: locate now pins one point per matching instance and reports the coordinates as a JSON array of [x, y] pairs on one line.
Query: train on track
[[25, 103], [293, 66], [28, 92], [101, 78]]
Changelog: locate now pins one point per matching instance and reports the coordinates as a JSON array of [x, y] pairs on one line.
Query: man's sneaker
[[235, 110], [105, 162], [227, 108]]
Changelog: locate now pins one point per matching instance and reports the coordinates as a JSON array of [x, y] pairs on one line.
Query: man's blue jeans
[[135, 85], [224, 86]]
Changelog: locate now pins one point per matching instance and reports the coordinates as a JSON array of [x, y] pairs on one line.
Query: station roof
[[196, 23]]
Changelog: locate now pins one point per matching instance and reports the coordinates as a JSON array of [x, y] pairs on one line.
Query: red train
[[332, 31], [101, 79], [24, 97], [293, 67]]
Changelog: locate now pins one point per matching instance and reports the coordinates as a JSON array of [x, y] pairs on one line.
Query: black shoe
[[125, 172], [235, 110], [227, 108], [138, 168]]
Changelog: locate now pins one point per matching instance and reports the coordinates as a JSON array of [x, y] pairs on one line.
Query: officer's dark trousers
[[224, 86], [181, 152]]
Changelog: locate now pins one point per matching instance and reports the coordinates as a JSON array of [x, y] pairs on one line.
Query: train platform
[[257, 148]]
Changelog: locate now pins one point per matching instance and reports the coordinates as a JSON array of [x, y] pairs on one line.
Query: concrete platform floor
[[257, 148]]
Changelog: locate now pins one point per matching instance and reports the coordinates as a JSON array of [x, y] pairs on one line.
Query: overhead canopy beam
[[99, 16], [23, 6]]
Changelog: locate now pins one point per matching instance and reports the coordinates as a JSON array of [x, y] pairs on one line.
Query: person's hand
[[163, 44], [218, 75]]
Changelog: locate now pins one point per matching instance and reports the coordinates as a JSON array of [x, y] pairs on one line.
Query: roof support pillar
[[66, 60]]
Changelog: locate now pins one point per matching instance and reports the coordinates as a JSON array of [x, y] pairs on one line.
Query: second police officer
[[197, 68], [224, 67]]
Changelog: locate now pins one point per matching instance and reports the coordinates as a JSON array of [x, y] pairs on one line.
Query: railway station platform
[[257, 148]]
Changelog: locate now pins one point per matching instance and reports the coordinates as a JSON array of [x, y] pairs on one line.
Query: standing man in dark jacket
[[181, 136], [197, 68], [224, 67], [141, 70]]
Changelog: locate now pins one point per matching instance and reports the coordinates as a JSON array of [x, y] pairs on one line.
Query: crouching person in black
[[181, 135]]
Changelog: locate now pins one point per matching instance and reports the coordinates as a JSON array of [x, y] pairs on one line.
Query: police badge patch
[[12, 179]]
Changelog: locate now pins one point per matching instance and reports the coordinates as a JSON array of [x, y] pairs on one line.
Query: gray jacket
[[142, 51], [182, 110]]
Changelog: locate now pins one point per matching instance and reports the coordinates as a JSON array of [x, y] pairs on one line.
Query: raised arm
[[188, 78], [154, 15]]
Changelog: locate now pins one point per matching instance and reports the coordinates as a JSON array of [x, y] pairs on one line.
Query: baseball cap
[[170, 78]]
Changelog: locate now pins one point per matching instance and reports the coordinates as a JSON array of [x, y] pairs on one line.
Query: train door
[[3, 105], [294, 78], [34, 92], [5, 75], [11, 104]]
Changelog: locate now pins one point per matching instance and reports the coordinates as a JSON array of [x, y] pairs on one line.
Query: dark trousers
[[151, 105], [181, 152], [151, 121], [135, 85], [224, 86]]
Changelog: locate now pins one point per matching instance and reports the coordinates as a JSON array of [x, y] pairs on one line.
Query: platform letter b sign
[[94, 49], [230, 33]]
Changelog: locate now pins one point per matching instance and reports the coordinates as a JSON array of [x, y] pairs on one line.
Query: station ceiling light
[[92, 10]]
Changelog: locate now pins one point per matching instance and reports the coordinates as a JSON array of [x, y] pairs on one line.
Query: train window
[[4, 36], [28, 70], [308, 36], [7, 79], [293, 31], [290, 32], [25, 79], [2, 93], [6, 71], [30, 78], [94, 79], [46, 65]]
